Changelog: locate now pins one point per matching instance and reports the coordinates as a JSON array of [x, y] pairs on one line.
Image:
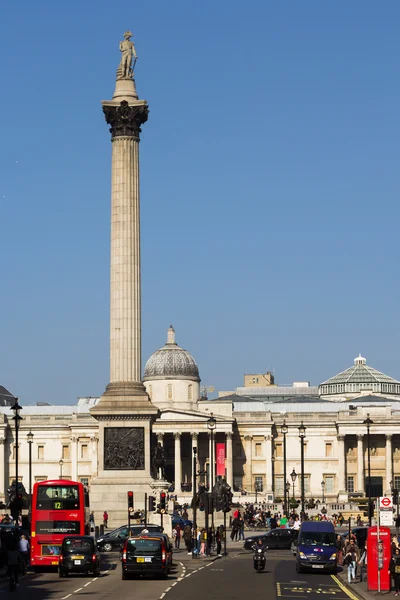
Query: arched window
[[169, 391], [190, 392]]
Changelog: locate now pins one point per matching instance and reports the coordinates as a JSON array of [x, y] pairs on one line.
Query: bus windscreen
[[58, 497]]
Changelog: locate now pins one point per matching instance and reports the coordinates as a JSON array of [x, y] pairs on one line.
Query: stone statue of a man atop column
[[127, 48]]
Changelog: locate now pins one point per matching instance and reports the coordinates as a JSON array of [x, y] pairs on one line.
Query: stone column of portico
[[2, 469], [249, 483], [178, 463], [94, 439], [74, 458], [229, 459], [160, 438], [389, 461], [268, 463], [342, 464], [360, 463]]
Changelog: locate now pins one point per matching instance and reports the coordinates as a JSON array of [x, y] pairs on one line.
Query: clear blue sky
[[269, 181]]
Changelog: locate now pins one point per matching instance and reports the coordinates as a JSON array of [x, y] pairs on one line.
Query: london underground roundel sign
[[385, 502]]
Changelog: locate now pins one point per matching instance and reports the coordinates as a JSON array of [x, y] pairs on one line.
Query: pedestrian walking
[[177, 537], [339, 547], [23, 547], [363, 561], [394, 570], [105, 518], [241, 529], [187, 537], [218, 539], [351, 559]]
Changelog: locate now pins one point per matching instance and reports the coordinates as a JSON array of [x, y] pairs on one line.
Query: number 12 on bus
[[60, 508]]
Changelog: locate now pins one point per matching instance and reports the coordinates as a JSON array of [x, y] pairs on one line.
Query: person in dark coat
[[394, 570]]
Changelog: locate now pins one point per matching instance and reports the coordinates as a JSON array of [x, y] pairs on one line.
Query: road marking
[[88, 583], [175, 582], [344, 588], [95, 579], [76, 591], [65, 597], [278, 589], [167, 590], [162, 596]]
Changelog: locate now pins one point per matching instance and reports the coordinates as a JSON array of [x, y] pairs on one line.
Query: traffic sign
[[385, 502]]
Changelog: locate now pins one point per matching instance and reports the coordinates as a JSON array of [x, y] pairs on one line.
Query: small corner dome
[[171, 362]]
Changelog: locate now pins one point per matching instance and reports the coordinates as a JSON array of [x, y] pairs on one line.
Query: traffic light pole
[[145, 509]]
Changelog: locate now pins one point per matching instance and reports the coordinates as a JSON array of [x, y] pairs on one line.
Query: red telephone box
[[379, 555]]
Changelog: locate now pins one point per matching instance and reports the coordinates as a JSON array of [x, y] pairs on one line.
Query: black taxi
[[146, 555], [79, 554]]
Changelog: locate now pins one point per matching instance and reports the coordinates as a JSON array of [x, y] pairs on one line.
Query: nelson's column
[[124, 411]]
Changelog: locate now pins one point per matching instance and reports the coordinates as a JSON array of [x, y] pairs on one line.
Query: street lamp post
[[302, 434], [256, 489], [194, 489], [323, 491], [61, 462], [284, 430], [368, 422], [287, 489], [29, 437], [293, 476], [211, 425], [16, 418]]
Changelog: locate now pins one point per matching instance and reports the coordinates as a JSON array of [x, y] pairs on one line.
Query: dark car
[[115, 539], [79, 554], [276, 539], [361, 534], [178, 520], [161, 534], [146, 555]]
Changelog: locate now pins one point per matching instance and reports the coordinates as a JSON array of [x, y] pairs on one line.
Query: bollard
[[101, 529], [96, 532]]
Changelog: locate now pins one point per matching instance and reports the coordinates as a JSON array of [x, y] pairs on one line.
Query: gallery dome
[[358, 379], [171, 362]]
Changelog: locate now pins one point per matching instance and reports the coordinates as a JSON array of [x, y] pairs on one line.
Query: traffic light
[[130, 501], [152, 504], [163, 501]]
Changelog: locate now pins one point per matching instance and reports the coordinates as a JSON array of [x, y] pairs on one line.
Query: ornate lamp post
[[302, 434], [256, 489], [284, 430], [29, 438], [293, 476], [368, 422], [61, 462], [323, 491], [211, 425], [16, 418]]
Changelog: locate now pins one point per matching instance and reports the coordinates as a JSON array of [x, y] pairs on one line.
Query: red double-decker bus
[[59, 508]]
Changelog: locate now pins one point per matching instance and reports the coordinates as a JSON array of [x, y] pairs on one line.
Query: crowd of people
[[199, 541]]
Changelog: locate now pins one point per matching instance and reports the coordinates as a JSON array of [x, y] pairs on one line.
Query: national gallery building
[[257, 425]]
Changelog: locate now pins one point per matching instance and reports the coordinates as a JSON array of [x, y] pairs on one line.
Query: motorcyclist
[[259, 545]]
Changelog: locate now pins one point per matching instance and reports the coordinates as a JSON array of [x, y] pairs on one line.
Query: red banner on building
[[220, 455]]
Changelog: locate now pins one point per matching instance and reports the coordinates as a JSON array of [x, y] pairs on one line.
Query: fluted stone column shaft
[[388, 461], [74, 458], [94, 441], [178, 463], [360, 463], [229, 459], [125, 301], [268, 463], [249, 483], [342, 464], [2, 468]]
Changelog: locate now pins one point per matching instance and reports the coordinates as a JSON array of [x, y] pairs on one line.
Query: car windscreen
[[72, 546], [43, 527], [317, 538], [143, 545], [57, 497]]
